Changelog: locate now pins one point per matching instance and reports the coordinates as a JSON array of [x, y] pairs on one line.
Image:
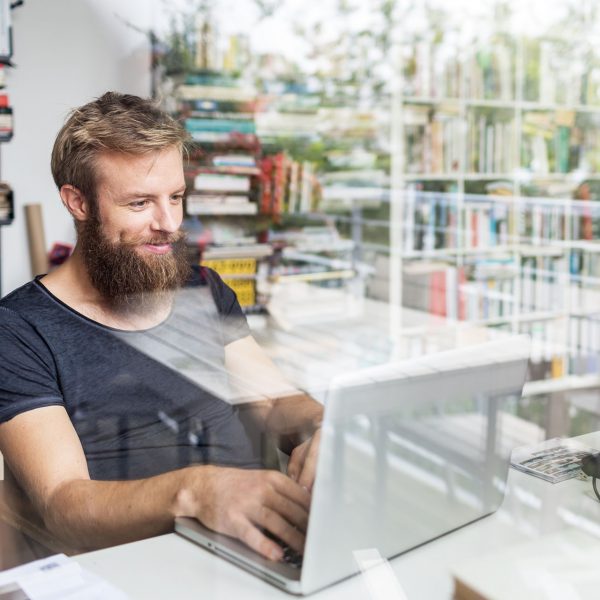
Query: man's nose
[[167, 217]]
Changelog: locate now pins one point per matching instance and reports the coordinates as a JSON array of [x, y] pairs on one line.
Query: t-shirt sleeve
[[28, 377], [234, 323]]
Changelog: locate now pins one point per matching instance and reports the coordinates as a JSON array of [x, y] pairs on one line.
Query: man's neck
[[71, 284]]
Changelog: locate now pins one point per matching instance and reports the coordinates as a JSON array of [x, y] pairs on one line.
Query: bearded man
[[120, 370]]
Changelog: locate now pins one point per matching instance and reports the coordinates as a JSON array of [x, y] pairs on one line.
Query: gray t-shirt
[[142, 402]]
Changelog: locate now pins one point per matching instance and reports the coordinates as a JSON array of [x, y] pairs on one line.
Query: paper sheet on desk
[[55, 578]]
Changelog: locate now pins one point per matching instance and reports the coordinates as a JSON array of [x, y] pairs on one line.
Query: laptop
[[409, 452]]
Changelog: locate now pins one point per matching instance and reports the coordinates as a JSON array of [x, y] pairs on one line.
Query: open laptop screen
[[411, 451]]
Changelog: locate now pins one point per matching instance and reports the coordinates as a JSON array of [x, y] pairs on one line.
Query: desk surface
[[169, 566]]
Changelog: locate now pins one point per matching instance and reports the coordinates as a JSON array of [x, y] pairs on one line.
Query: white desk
[[171, 567], [310, 353]]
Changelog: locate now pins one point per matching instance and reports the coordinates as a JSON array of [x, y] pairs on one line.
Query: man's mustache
[[167, 238]]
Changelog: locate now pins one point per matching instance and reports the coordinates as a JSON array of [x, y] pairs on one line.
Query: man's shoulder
[[205, 277], [23, 299], [31, 306], [19, 314], [202, 276]]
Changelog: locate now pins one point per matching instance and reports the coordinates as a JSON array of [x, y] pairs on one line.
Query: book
[[294, 187], [490, 147], [554, 460], [431, 139], [432, 70], [219, 93], [6, 204], [232, 266], [434, 287], [238, 251], [273, 124], [279, 184], [234, 160], [489, 71], [224, 137], [222, 182], [204, 125], [306, 187], [209, 204], [205, 107], [225, 170]]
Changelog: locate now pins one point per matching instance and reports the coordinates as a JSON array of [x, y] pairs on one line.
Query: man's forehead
[[145, 161], [123, 169]]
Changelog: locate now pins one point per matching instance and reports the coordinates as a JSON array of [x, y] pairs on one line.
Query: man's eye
[[177, 198], [138, 204]]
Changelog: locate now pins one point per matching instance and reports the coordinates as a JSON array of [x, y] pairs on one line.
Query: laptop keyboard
[[291, 557]]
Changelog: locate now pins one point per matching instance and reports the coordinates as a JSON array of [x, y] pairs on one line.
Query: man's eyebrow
[[132, 195]]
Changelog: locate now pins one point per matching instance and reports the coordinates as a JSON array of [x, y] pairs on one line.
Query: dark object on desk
[[590, 465]]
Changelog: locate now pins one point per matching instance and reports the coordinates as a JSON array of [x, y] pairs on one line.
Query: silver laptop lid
[[409, 452]]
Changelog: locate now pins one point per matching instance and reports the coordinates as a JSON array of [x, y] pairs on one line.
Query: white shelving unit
[[525, 241]]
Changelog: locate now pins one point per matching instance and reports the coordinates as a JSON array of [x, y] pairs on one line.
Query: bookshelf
[[223, 177], [494, 192], [243, 182], [486, 197]]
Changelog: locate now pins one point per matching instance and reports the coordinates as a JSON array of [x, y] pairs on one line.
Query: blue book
[[220, 125]]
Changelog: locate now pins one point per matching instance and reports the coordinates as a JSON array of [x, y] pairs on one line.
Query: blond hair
[[112, 123]]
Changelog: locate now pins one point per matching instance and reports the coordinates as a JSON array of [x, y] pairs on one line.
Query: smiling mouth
[[161, 248]]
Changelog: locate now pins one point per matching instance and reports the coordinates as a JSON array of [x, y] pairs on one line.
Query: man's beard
[[128, 282]]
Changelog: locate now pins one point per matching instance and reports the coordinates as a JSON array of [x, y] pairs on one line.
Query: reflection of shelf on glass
[[522, 175], [315, 276], [253, 251], [569, 382], [505, 104]]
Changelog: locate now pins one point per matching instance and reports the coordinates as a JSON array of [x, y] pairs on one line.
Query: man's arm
[[292, 415], [43, 451]]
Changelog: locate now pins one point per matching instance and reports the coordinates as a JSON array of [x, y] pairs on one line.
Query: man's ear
[[75, 202]]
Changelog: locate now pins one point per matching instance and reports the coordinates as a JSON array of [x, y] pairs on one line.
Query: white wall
[[67, 52]]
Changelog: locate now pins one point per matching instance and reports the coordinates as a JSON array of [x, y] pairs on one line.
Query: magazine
[[55, 578], [553, 460]]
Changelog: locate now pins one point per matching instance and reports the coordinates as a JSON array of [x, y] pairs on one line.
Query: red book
[[266, 179], [437, 293], [279, 180], [462, 306]]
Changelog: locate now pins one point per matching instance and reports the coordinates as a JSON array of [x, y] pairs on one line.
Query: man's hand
[[84, 514], [240, 503], [303, 461]]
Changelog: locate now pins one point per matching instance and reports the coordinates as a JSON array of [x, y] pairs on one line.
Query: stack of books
[[218, 111], [432, 70], [489, 71], [491, 146], [239, 274], [216, 106], [432, 140], [221, 191], [288, 186], [6, 204]]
